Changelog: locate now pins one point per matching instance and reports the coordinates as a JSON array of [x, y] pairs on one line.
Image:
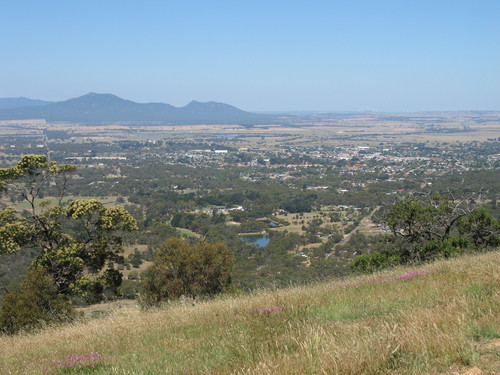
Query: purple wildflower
[[408, 275], [87, 360], [268, 310]]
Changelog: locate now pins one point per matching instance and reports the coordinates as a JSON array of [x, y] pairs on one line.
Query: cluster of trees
[[197, 223], [433, 226]]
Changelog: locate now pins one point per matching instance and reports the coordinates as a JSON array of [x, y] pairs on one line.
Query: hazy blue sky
[[400, 55]]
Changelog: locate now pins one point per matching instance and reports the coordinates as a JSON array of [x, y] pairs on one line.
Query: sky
[[338, 55]]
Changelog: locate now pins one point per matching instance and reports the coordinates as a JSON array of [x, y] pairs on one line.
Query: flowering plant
[[269, 310], [91, 360]]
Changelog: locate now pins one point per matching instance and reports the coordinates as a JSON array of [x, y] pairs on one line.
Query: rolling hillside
[[439, 318]]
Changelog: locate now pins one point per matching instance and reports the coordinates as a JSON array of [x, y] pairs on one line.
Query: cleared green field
[[187, 233], [297, 221]]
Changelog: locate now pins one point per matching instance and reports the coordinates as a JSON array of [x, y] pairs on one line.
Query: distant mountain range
[[95, 108], [9, 103]]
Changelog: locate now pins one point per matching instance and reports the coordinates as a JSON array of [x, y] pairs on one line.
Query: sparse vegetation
[[406, 321]]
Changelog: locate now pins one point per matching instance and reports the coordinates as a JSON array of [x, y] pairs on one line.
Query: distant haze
[[259, 55]]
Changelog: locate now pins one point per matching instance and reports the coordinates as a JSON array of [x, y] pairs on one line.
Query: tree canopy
[[75, 238], [431, 227]]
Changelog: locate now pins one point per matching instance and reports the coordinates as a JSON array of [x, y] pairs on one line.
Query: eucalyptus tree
[[430, 227], [75, 238]]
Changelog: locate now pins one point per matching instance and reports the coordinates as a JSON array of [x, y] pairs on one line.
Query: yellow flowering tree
[[75, 239]]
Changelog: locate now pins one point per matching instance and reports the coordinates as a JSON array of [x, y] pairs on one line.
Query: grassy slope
[[368, 325]]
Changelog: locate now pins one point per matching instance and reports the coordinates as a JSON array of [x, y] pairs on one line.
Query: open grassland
[[440, 318], [129, 250], [187, 233], [24, 205], [297, 221]]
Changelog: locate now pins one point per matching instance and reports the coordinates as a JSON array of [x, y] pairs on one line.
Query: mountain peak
[[195, 103], [95, 94], [107, 108]]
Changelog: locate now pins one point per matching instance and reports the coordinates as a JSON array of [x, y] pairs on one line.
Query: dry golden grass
[[368, 325]]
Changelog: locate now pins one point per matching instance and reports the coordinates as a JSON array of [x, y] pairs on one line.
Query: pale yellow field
[[369, 129]]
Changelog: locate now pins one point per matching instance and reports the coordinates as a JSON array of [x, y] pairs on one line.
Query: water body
[[259, 240]]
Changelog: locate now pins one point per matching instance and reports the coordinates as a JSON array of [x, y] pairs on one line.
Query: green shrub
[[129, 289], [376, 261], [181, 268], [36, 303]]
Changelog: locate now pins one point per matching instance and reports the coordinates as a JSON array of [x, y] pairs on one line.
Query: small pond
[[259, 240]]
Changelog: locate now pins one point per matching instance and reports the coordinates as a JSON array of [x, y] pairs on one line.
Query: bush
[[181, 268], [375, 261], [129, 289], [36, 303]]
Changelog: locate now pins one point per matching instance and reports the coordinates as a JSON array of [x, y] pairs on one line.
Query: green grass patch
[[488, 331], [187, 233], [479, 291]]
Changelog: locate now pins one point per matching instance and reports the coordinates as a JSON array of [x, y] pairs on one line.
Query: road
[[347, 237]]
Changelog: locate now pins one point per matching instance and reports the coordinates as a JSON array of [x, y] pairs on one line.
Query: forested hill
[[106, 108]]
